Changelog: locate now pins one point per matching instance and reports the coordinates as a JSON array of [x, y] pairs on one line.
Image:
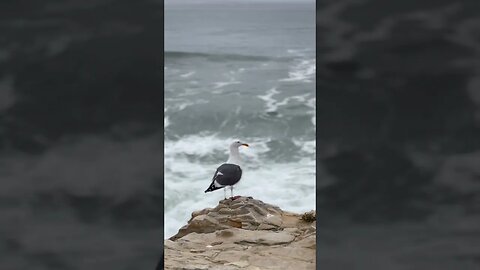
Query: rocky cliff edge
[[244, 233]]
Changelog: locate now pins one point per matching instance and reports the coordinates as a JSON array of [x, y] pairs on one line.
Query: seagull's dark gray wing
[[226, 175]]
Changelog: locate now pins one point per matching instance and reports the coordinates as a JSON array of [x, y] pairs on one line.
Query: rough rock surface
[[243, 234]]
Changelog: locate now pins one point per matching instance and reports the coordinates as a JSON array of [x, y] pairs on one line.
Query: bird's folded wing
[[227, 174]]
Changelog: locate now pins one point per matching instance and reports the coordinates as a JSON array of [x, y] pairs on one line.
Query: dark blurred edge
[[161, 62], [99, 31], [317, 202], [398, 132], [161, 261], [160, 264]]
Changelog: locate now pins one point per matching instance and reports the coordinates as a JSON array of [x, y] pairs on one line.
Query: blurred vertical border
[[81, 134], [398, 134]]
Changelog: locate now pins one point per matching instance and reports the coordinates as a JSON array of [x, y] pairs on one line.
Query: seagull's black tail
[[212, 187]]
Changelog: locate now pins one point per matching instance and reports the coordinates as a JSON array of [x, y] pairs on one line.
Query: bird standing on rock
[[230, 172]]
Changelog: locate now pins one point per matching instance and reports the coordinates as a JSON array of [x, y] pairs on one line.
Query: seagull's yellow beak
[[245, 144]]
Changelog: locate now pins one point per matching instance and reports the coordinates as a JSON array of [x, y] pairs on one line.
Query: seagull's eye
[[238, 141]]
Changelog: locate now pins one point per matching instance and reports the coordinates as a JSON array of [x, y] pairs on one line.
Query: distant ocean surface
[[243, 71]]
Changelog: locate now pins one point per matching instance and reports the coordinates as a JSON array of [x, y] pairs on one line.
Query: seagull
[[229, 173]]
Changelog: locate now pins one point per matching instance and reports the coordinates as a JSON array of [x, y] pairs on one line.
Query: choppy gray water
[[246, 72]]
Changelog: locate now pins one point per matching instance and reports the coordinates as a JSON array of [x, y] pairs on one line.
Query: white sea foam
[[312, 104], [188, 74], [303, 71], [180, 104], [306, 146], [273, 104], [299, 52], [188, 172], [166, 122], [270, 102], [222, 84], [187, 91]]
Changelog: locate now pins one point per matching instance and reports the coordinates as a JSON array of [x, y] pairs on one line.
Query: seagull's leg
[[225, 192], [231, 191]]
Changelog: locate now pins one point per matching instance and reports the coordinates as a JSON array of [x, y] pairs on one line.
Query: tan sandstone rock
[[243, 234]]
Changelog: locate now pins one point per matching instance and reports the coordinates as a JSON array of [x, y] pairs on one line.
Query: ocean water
[[243, 71]]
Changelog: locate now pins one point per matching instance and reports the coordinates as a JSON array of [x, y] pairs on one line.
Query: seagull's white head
[[237, 144], [234, 157]]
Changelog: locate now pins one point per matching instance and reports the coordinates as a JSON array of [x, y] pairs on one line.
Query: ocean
[[239, 71]]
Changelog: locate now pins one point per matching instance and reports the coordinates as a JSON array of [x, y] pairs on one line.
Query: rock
[[309, 216], [244, 234]]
